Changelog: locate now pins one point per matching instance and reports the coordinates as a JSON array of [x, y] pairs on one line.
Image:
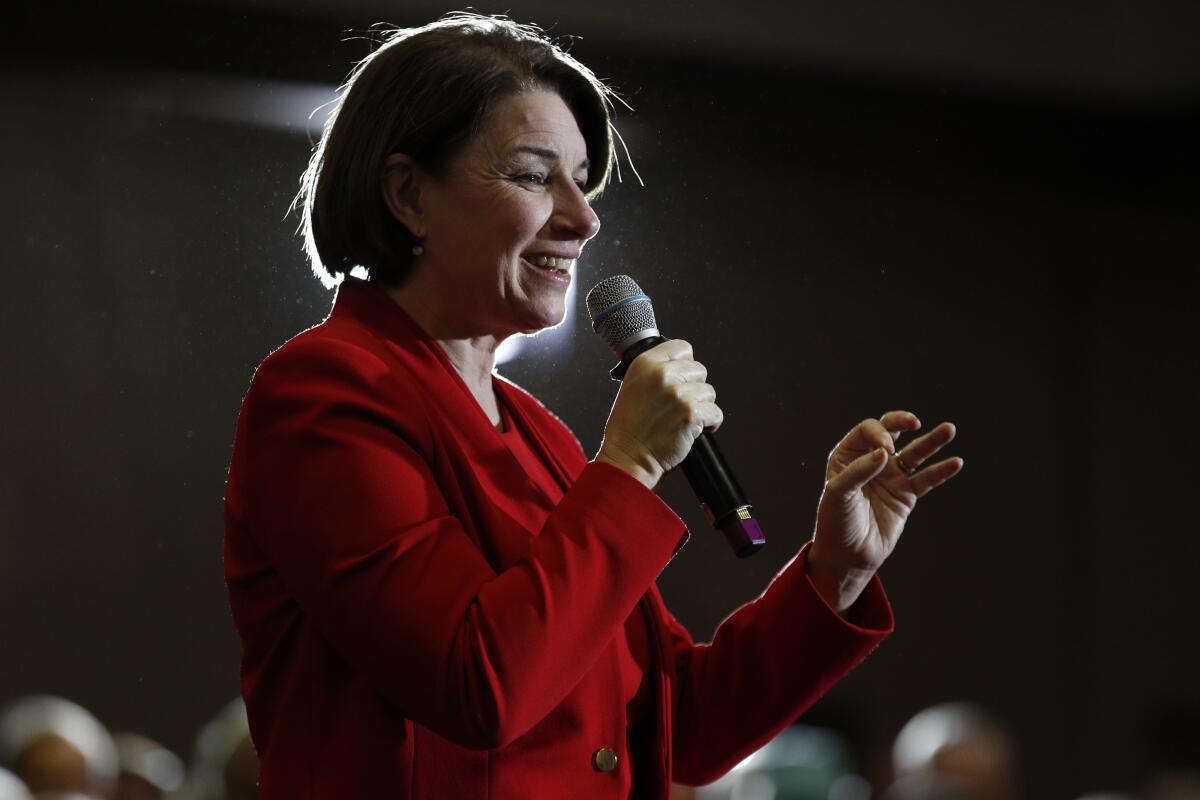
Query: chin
[[541, 319], [532, 330]]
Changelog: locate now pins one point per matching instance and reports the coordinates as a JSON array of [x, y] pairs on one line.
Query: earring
[[418, 249]]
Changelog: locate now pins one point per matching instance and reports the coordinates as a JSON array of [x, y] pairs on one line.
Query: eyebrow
[[547, 153]]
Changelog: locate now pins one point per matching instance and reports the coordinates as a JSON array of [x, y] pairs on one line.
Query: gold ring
[[907, 469]]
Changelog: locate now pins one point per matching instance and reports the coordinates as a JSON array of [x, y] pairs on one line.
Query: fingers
[[882, 432], [859, 472], [678, 368], [670, 350], [709, 416], [920, 449], [699, 400], [672, 361], [872, 435], [897, 422], [935, 475], [866, 435]]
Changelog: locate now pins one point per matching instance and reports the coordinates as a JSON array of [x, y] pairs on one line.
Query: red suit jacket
[[419, 621]]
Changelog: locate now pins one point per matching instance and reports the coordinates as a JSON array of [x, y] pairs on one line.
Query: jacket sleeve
[[767, 663], [332, 485]]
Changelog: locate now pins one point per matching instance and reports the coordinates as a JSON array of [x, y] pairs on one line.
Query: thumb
[[858, 473]]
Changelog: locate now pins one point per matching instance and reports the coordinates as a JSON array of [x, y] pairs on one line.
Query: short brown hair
[[425, 92]]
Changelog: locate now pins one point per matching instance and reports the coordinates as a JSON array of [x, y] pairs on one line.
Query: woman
[[438, 594]]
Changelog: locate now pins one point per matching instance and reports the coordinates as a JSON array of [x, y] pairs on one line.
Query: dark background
[[984, 212]]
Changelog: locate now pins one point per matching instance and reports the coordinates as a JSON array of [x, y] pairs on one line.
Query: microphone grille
[[619, 309]]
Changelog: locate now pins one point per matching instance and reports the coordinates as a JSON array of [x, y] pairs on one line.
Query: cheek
[[501, 222], [521, 217]]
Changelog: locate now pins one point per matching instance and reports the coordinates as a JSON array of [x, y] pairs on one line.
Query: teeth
[[560, 264]]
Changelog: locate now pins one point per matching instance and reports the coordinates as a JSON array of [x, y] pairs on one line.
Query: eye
[[531, 178]]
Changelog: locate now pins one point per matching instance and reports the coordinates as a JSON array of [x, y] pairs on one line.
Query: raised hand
[[870, 489]]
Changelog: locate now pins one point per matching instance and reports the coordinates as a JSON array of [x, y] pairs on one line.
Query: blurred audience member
[[56, 746], [149, 771], [226, 766], [801, 763], [11, 788], [1174, 739], [954, 751], [1173, 784]]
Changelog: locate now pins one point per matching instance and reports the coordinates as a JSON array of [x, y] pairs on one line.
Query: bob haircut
[[426, 92]]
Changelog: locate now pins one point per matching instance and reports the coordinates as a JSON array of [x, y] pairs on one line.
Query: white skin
[[515, 192]]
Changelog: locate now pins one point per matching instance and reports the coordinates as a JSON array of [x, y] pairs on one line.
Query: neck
[[474, 358], [472, 353]]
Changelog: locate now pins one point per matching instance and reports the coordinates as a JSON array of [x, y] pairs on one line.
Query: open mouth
[[562, 266]]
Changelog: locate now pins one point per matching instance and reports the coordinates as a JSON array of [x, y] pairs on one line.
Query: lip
[[571, 254], [556, 278]]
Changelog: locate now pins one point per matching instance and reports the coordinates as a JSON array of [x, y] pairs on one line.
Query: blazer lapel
[[482, 458], [542, 439]]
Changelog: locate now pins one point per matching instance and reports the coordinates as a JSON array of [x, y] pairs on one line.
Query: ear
[[402, 183]]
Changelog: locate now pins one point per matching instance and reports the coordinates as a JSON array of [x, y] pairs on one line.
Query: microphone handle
[[720, 495]]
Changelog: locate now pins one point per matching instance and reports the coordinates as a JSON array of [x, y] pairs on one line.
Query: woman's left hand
[[870, 489]]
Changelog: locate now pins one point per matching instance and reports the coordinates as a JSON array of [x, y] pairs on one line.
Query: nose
[[573, 215]]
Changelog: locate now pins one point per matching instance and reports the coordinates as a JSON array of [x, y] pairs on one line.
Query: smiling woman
[[438, 594], [502, 226], [455, 70]]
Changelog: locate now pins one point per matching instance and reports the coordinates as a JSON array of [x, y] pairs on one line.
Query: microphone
[[623, 317]]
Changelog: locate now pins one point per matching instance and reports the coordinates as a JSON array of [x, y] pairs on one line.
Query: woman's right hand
[[664, 403]]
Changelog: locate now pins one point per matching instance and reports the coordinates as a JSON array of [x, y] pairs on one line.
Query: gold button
[[604, 759]]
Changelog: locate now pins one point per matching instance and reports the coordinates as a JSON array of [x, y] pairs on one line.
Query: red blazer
[[419, 621]]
